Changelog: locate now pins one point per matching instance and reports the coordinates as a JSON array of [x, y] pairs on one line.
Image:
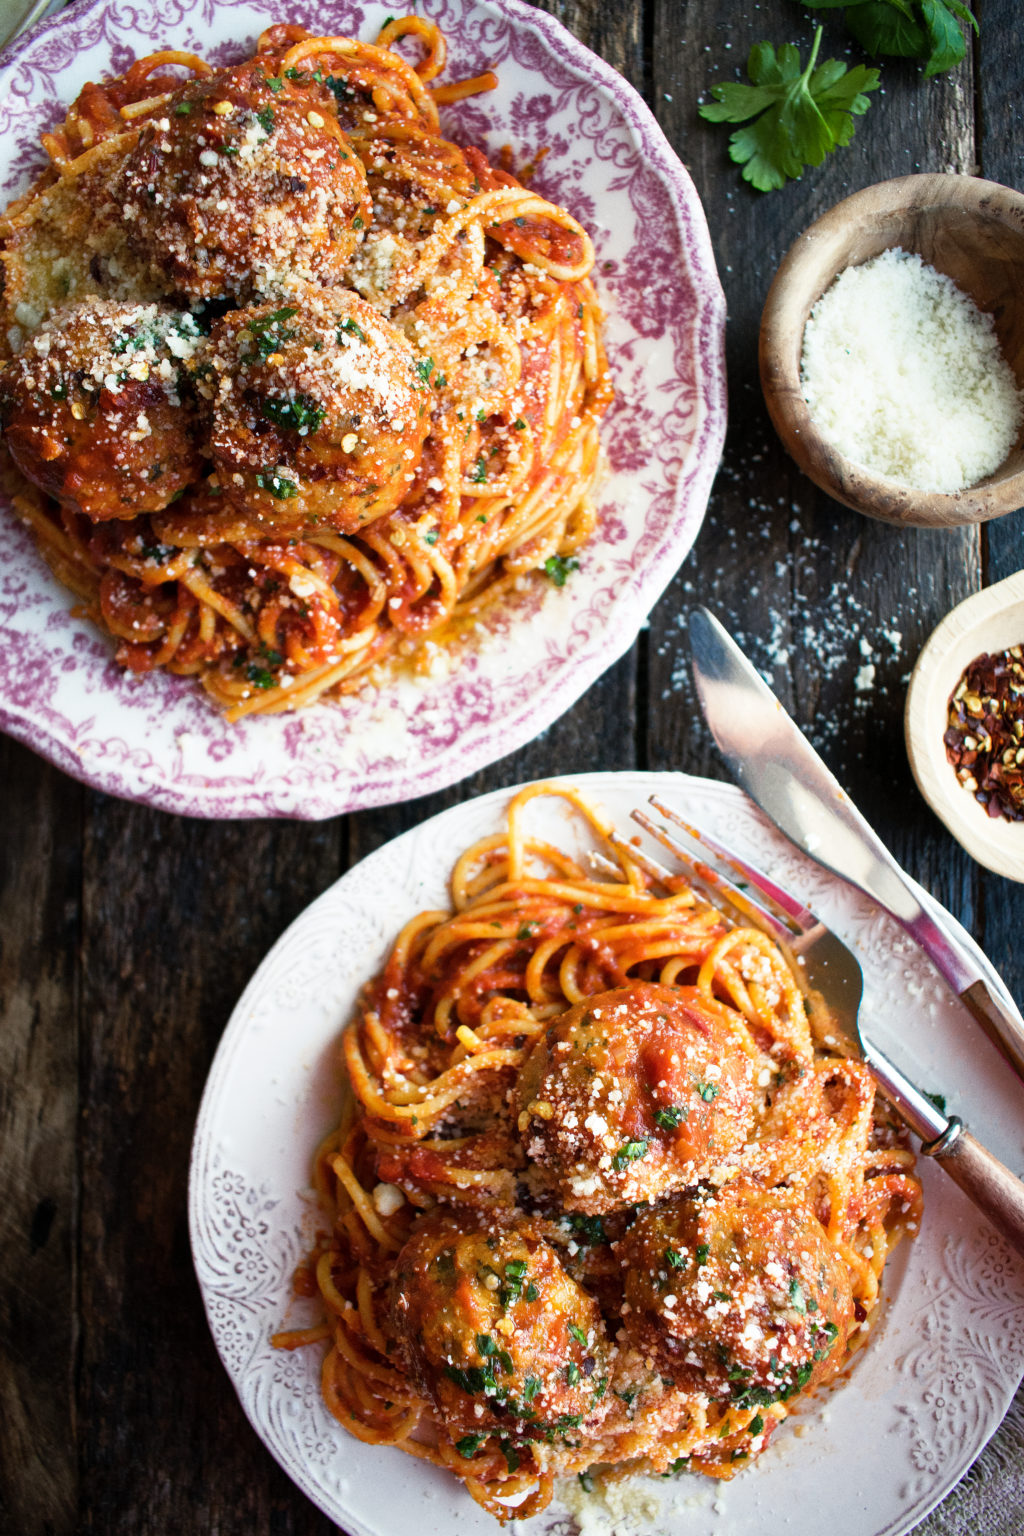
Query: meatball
[[96, 411], [243, 179], [736, 1292], [319, 414], [494, 1332], [631, 1095]]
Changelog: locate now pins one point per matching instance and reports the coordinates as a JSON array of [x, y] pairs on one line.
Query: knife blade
[[772, 760]]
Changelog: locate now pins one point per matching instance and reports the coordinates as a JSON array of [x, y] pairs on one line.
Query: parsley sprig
[[794, 116], [909, 29]]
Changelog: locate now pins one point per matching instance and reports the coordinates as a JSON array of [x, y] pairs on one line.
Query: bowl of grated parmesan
[[892, 351]]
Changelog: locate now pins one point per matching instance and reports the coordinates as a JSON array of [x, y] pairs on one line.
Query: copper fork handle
[[984, 1180]]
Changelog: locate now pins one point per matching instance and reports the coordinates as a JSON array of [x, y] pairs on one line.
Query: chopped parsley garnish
[[577, 1333], [675, 1467], [527, 930], [259, 676], [485, 1344], [431, 537], [586, 1482], [702, 1253], [630, 1153], [340, 88], [274, 83], [479, 474], [558, 567], [183, 109], [268, 334], [707, 1091], [278, 487], [796, 1296], [425, 367], [531, 1386], [531, 1293], [589, 1229], [301, 414], [669, 1118], [469, 1445], [265, 118], [519, 424], [673, 1258], [515, 1271], [510, 1454], [572, 1374], [756, 1425], [473, 1379], [126, 342], [349, 325]]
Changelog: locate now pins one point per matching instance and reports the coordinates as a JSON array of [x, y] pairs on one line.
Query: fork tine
[[627, 850], [716, 886], [778, 900]]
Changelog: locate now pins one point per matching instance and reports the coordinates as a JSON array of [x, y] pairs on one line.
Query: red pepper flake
[[985, 732]]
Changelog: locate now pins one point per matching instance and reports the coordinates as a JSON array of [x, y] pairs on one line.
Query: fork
[[831, 969]]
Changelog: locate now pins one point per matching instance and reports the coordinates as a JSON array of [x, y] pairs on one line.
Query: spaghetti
[[602, 1197], [292, 381]]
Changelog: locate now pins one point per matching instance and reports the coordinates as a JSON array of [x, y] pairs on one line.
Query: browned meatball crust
[[632, 1094], [96, 408], [243, 182], [736, 1292], [494, 1332], [319, 414]]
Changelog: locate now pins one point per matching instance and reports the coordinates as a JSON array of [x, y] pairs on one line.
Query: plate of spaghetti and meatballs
[[340, 454], [551, 1199]]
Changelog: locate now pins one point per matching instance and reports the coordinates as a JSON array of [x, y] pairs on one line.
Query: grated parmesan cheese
[[904, 376]]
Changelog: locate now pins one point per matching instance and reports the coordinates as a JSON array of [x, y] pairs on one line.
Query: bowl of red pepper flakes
[[985, 736], [964, 725]]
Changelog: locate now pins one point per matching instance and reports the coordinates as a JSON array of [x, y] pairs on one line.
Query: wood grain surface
[[127, 935]]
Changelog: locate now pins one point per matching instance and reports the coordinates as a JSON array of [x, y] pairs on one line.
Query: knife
[[772, 760]]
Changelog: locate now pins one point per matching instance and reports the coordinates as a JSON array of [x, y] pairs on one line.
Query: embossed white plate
[[870, 1458], [157, 738]]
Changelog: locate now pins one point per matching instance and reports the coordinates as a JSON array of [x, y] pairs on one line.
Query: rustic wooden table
[[129, 934]]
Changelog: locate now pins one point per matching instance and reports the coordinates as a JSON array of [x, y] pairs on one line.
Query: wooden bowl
[[991, 620], [971, 230]]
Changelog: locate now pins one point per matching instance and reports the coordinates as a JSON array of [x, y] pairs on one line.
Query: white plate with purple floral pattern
[[157, 738], [869, 1458]]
